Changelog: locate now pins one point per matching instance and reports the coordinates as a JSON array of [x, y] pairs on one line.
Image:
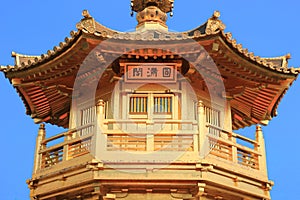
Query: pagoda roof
[[263, 81]]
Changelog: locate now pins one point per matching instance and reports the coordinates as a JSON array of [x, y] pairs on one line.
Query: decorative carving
[[86, 14], [214, 25], [151, 14], [164, 5], [88, 23]]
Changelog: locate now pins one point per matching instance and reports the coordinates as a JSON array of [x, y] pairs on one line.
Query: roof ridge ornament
[[86, 14], [87, 23], [214, 24]]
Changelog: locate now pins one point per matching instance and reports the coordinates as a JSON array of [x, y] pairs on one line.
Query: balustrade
[[145, 135], [76, 142], [224, 144], [141, 135]]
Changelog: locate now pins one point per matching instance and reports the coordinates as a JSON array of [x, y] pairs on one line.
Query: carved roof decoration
[[214, 26], [265, 80], [164, 5]]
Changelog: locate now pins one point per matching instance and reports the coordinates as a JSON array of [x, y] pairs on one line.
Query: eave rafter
[[253, 84], [264, 80]]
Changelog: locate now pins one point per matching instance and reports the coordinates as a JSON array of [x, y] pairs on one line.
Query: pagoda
[[150, 114]]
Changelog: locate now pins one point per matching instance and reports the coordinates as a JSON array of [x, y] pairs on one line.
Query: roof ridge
[[15, 54], [283, 68], [286, 56]]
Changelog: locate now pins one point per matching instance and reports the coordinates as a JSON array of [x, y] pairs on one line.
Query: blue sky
[[268, 28]]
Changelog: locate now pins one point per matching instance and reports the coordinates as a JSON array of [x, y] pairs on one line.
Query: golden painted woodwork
[[164, 137]]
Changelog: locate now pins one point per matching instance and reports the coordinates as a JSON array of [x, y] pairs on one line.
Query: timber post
[[261, 149], [39, 139]]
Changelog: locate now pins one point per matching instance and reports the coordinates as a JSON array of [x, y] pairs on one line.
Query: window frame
[[163, 115], [138, 114], [150, 110]]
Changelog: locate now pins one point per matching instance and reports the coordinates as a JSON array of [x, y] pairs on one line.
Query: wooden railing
[[65, 146], [142, 135], [126, 142], [175, 135], [145, 135], [179, 142], [224, 144]]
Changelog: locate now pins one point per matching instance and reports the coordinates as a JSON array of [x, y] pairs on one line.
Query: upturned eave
[[270, 77]]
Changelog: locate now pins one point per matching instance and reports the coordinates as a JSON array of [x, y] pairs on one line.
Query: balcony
[[194, 139], [138, 154]]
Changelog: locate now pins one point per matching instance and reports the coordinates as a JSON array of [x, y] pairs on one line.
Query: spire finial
[[152, 14], [165, 6]]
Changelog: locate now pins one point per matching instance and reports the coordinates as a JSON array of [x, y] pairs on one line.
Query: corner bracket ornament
[[214, 25], [203, 166], [32, 183], [95, 165], [201, 190], [87, 23], [268, 186]]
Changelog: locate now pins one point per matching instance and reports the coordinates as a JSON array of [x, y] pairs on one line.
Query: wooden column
[[234, 153], [38, 146], [66, 147], [150, 143], [100, 111], [260, 147], [100, 128], [202, 129]]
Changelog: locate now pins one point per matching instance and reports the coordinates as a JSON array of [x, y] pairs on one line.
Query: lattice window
[[162, 105], [138, 105], [157, 104]]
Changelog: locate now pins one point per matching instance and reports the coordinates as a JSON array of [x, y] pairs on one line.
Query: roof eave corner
[[87, 24], [15, 56], [90, 26], [4, 68], [214, 24], [285, 60]]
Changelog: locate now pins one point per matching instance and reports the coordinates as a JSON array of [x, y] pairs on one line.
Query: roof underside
[[253, 85]]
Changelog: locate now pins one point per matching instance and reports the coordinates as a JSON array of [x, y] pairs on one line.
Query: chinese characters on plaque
[[148, 72]]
